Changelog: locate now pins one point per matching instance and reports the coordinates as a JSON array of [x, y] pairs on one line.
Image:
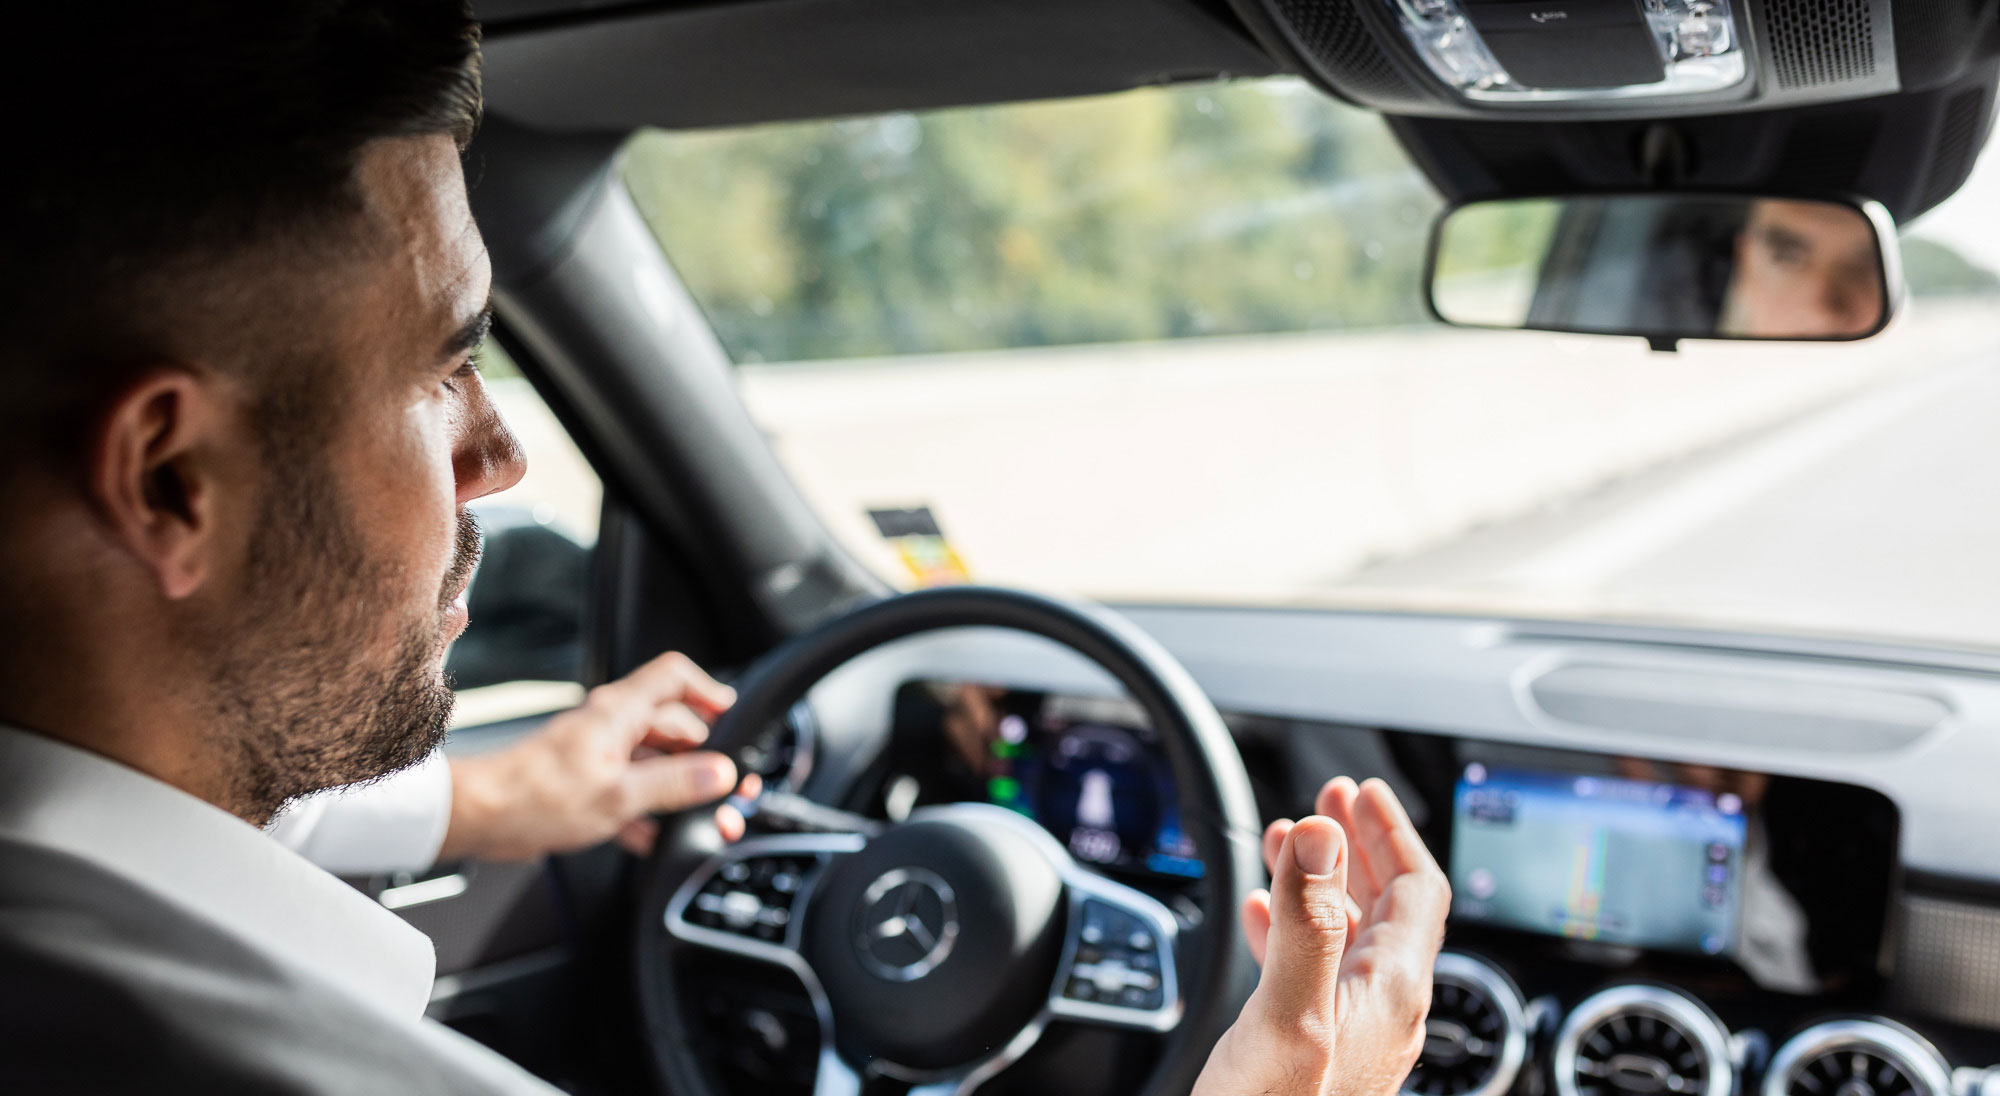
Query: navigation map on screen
[[1598, 858]]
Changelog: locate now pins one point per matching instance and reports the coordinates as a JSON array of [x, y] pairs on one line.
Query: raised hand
[[1347, 935]]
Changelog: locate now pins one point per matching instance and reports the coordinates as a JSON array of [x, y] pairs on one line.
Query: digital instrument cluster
[[1088, 770]]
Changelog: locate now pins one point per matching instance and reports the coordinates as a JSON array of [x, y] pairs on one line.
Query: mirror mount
[[1663, 156], [1663, 344]]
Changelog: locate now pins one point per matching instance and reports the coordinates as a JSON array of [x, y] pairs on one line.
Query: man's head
[[236, 315], [1804, 270]]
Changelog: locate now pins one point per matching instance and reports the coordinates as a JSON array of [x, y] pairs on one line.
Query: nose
[[488, 457]]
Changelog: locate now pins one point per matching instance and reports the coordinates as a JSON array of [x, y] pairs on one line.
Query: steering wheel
[[937, 950]]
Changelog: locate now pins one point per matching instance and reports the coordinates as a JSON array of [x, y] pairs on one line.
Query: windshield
[[1170, 346]]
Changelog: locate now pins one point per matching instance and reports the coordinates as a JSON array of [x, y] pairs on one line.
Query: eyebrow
[[469, 336]]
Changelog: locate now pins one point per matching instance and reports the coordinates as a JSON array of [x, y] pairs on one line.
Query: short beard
[[304, 702]]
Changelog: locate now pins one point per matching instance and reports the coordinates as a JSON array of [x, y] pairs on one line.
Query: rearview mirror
[[1668, 266]]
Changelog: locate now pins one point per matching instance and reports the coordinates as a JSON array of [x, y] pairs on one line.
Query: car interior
[[1079, 428]]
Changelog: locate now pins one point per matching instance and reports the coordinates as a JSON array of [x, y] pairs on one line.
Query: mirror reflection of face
[[1804, 270]]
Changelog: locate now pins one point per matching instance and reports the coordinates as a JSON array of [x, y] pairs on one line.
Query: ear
[[150, 473]]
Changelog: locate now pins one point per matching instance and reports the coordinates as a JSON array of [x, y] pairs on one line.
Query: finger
[[1274, 843], [674, 676], [675, 726], [1333, 794], [1257, 923], [729, 821], [1414, 907], [1337, 800], [1388, 838], [752, 786], [638, 836], [677, 782], [1308, 931]]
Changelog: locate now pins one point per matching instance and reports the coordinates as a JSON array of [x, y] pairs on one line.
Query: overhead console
[[1619, 58]]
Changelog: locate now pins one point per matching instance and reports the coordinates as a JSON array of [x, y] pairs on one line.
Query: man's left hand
[[599, 771]]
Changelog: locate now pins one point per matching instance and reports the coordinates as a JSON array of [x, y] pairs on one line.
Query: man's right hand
[[1347, 935]]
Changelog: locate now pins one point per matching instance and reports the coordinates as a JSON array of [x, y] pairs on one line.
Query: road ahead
[[1879, 513]]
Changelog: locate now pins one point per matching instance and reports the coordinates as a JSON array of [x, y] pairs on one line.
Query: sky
[[1969, 220]]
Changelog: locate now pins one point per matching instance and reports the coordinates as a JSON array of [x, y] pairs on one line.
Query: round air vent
[[1642, 1041], [1477, 1033], [782, 753], [1872, 1057]]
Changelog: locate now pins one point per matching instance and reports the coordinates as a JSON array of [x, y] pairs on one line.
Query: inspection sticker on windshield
[[915, 534]]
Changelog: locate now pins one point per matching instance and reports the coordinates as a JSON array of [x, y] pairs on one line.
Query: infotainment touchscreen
[[1596, 857]]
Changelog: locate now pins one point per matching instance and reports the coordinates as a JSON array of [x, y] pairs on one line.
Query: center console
[[1629, 927], [1621, 926]]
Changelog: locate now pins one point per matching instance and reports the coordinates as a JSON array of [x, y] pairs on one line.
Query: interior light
[[1697, 40]]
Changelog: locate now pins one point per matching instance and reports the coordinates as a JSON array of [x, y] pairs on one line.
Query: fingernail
[[717, 776], [1315, 849]]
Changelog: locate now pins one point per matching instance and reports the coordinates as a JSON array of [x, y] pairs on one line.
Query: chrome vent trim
[[1621, 1009], [1890, 1060], [1465, 983]]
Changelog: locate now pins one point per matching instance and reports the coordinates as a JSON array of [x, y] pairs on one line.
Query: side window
[[522, 653]]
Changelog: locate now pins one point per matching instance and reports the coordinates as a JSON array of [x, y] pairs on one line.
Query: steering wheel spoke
[[749, 899], [1118, 964]]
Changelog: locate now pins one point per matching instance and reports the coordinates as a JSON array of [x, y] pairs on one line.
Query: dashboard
[[1683, 863]]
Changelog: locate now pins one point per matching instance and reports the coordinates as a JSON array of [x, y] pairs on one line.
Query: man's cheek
[[417, 502]]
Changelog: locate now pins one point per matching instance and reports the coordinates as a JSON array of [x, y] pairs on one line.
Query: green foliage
[[1163, 213], [1501, 235]]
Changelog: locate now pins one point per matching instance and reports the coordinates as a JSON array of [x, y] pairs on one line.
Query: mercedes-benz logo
[[907, 924]]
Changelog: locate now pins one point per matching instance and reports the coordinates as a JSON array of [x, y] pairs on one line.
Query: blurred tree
[[1226, 209]]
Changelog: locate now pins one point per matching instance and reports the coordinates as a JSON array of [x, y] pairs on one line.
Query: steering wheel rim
[[1219, 810]]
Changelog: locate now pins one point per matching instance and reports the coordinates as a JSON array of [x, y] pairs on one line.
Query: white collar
[[59, 797]]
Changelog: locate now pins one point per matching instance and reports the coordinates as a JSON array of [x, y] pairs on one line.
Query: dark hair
[[155, 145]]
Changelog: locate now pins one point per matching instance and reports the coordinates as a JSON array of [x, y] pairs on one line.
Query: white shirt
[[194, 856], [393, 824], [70, 800]]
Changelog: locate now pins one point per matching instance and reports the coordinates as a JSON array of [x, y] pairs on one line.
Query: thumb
[[678, 781], [1308, 921]]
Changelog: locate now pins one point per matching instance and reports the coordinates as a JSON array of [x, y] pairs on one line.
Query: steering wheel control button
[[1116, 961], [751, 896], [1118, 968]]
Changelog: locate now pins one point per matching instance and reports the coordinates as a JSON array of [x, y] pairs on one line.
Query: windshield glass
[[1170, 345]]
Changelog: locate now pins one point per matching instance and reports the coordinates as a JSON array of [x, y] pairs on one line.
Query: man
[[241, 292], [1804, 270]]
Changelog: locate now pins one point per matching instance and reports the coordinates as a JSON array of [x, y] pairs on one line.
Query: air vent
[[1872, 1057], [782, 754], [1476, 1036], [1642, 1041], [1820, 42]]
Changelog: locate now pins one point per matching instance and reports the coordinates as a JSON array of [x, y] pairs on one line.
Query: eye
[[464, 371]]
